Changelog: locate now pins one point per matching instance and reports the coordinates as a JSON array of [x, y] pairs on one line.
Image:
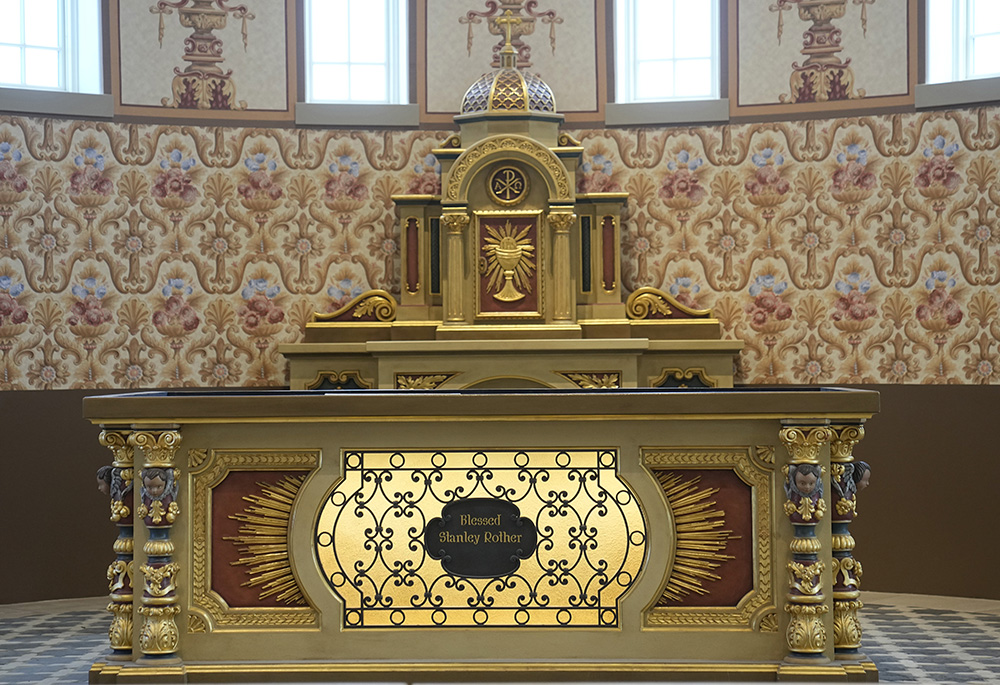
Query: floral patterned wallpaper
[[853, 250]]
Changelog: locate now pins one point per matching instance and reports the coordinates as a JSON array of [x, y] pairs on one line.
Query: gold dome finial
[[508, 55], [508, 89]]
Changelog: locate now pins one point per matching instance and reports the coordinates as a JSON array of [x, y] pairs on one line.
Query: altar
[[641, 534], [583, 496]]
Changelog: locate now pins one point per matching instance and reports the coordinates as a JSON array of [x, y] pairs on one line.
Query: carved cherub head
[[861, 474], [104, 480], [155, 481], [804, 479]]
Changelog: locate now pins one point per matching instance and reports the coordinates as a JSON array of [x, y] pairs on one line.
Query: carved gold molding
[[593, 380], [846, 625], [543, 156], [158, 447], [455, 223], [806, 633], [216, 614], [339, 377], [804, 443], [753, 609], [646, 302], [377, 303], [765, 454], [422, 381], [562, 221], [566, 140], [682, 375]]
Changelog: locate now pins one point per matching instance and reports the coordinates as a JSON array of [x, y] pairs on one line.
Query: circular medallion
[[508, 186]]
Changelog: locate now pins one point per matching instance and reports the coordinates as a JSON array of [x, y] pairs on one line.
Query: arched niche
[[485, 153]]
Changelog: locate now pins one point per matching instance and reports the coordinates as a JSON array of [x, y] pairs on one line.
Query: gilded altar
[[509, 277], [390, 535]]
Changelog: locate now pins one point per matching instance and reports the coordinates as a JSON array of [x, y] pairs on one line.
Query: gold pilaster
[[806, 634], [455, 225], [846, 570], [120, 571], [159, 509], [563, 290]]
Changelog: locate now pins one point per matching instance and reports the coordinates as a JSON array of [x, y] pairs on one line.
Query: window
[[963, 40], [356, 51], [666, 50], [51, 45]]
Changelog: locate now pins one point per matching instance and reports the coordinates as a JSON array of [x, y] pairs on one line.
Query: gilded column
[[455, 292], [159, 511], [117, 480], [563, 291], [805, 506], [846, 570]]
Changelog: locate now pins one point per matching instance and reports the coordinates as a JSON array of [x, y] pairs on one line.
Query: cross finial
[[508, 21]]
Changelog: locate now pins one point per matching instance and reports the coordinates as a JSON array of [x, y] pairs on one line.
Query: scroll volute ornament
[[455, 223], [804, 444], [562, 221]]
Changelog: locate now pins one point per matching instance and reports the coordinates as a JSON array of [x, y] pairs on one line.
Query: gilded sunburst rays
[[509, 262], [699, 541], [264, 540]]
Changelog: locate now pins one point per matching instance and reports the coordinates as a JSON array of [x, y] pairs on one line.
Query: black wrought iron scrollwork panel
[[481, 538]]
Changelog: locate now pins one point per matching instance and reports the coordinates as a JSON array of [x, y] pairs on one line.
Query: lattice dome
[[509, 90]]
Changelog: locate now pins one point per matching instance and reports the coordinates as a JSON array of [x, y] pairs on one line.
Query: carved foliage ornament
[[846, 626], [806, 633], [159, 631], [594, 380], [377, 305], [422, 381]]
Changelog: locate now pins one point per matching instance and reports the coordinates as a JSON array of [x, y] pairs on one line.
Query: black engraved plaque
[[480, 538]]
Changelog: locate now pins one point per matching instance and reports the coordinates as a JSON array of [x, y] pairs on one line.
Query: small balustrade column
[[846, 570], [158, 481], [119, 479], [805, 507]]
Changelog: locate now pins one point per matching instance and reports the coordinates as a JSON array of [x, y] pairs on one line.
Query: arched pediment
[[510, 147]]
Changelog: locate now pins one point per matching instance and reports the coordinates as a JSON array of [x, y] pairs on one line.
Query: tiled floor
[[912, 638]]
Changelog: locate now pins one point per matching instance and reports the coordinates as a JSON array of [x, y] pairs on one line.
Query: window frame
[[95, 102], [397, 111], [69, 50], [629, 112], [627, 61], [960, 88]]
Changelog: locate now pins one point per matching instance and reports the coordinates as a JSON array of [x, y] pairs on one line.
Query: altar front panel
[[302, 536]]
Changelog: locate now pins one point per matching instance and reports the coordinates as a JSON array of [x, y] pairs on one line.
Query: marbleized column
[[805, 507], [454, 298], [563, 285], [846, 570], [120, 572], [159, 481]]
